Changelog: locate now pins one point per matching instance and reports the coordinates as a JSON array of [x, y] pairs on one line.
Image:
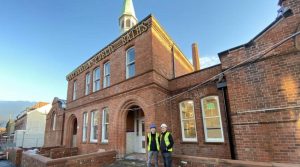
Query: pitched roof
[[280, 17], [39, 105]]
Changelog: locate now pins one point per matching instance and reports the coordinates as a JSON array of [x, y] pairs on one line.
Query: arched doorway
[[72, 131], [135, 130]]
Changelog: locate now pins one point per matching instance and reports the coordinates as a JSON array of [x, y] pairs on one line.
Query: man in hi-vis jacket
[[166, 145], [153, 145]]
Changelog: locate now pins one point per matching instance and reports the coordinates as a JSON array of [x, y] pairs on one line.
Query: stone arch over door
[[124, 110], [71, 138]]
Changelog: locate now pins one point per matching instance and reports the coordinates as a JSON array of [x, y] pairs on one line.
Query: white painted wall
[[34, 134]]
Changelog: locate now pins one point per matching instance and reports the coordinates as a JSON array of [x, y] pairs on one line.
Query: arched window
[[188, 123], [212, 119], [122, 24], [128, 23], [130, 63], [53, 121]]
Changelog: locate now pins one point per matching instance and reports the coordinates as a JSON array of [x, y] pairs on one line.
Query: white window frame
[[85, 126], [87, 83], [54, 121], [93, 140], [184, 139], [96, 80], [219, 140], [128, 64], [106, 79], [75, 90], [104, 123]]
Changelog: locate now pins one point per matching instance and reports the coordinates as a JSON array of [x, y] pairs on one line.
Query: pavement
[[131, 160], [128, 163], [136, 156], [5, 163]]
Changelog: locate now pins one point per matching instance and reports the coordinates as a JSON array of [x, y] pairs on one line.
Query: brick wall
[[143, 62], [54, 137], [166, 54], [264, 95], [268, 136], [63, 152], [201, 147], [117, 129], [45, 151], [15, 155], [88, 160], [189, 161]]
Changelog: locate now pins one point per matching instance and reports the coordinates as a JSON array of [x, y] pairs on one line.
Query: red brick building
[[251, 112]]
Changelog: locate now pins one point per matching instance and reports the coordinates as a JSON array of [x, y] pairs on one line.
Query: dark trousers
[[167, 157]]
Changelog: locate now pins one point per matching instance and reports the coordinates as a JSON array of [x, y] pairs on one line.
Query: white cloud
[[207, 61]]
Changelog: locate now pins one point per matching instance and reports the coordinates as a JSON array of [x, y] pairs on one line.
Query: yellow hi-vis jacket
[[150, 140]]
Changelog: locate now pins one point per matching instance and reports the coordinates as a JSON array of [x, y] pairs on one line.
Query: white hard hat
[[163, 126]]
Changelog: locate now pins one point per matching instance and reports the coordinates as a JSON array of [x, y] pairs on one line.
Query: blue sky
[[42, 41]]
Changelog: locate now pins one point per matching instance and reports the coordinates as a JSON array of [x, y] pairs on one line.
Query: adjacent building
[[10, 129], [30, 126], [3, 134], [55, 121], [245, 108]]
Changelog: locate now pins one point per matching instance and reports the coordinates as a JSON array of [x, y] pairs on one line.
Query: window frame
[[74, 96], [93, 140], [128, 64], [106, 75], [53, 121], [98, 80], [87, 83], [212, 140], [85, 126], [184, 139], [105, 112]]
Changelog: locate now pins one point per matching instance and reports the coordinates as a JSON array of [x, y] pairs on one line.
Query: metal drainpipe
[[229, 123], [173, 62], [223, 86]]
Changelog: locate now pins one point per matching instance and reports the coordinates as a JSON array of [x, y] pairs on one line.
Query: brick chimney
[[196, 58]]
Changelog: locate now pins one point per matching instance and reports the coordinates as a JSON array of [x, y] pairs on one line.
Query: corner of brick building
[[264, 94]]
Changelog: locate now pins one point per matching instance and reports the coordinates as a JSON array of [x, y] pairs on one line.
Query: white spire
[[127, 19]]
